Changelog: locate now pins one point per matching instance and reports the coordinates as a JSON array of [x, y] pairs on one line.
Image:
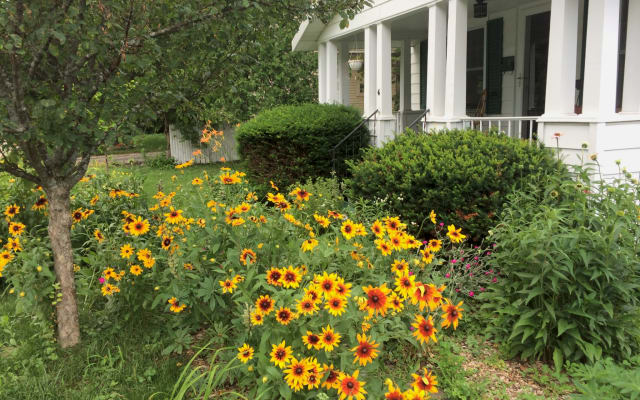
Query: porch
[[528, 68]]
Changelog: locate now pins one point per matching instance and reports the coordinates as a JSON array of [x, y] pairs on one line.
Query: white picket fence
[[182, 150]]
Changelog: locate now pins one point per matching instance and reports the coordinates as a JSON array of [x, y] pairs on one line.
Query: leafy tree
[[75, 72]]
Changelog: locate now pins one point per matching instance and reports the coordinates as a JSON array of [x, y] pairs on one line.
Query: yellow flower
[[245, 353], [126, 251], [454, 234], [432, 216], [309, 245], [196, 181], [135, 270]]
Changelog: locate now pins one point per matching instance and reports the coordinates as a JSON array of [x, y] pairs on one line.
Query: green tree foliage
[[464, 176], [73, 73], [568, 252]]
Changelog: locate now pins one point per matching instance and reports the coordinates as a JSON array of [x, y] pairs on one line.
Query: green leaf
[[557, 359]]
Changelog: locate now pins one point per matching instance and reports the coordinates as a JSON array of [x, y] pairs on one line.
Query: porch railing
[[516, 127], [352, 143]]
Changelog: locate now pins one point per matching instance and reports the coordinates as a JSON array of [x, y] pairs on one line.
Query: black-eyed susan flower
[[348, 229], [424, 329], [306, 306], [365, 351], [109, 289], [313, 293], [274, 277], [311, 340], [98, 235], [322, 220], [228, 285], [135, 270], [426, 295], [265, 304], [284, 315], [174, 216], [432, 217], [412, 394], [434, 245], [326, 283], [342, 289], [400, 267], [166, 242], [377, 299], [175, 306], [94, 200], [334, 214], [291, 277], [393, 224], [393, 391], [5, 258], [336, 305], [405, 284], [16, 228], [40, 204], [126, 251], [396, 241], [245, 353], [454, 234], [377, 228], [296, 374], [333, 377], [309, 245], [13, 244], [138, 226], [452, 313], [300, 194], [396, 303], [384, 247], [257, 318], [280, 354], [350, 387], [77, 215], [11, 211], [329, 339], [247, 256], [315, 373], [427, 255], [229, 179], [196, 181], [426, 382]]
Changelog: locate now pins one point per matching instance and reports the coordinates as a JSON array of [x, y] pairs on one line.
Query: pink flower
[[457, 290], [410, 273], [101, 280], [468, 266], [411, 328], [486, 272], [447, 275], [441, 223], [482, 289], [470, 274], [488, 253], [454, 261], [494, 280], [471, 294], [491, 271], [495, 244], [475, 258], [424, 242]]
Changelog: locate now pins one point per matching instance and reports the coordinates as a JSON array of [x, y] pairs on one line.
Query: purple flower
[[471, 294], [447, 275], [101, 280]]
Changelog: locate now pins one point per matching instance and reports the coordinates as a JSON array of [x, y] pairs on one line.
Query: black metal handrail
[[424, 114], [344, 139]]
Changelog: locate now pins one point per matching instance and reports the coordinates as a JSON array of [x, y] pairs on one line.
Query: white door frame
[[523, 13]]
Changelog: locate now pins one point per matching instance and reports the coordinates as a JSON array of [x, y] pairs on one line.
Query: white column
[[601, 59], [415, 76], [405, 76], [563, 51], [370, 76], [383, 70], [456, 70], [322, 72], [343, 74], [332, 72], [631, 91], [436, 64]]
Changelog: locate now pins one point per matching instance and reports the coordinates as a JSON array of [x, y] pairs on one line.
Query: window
[[475, 69]]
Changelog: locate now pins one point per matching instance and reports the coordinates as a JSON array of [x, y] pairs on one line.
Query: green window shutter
[[424, 50], [494, 66]]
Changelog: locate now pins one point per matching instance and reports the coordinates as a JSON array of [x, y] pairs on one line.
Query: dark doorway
[[535, 63]]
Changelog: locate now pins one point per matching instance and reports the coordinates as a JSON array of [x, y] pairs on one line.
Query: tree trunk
[[60, 237]]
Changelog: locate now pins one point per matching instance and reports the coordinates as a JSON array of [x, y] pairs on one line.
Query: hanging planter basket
[[356, 65]]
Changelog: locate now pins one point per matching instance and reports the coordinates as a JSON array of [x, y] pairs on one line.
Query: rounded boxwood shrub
[[293, 143], [464, 176], [567, 250]]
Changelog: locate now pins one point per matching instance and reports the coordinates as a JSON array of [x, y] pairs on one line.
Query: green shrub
[[149, 143], [568, 253], [464, 176], [292, 143], [607, 380]]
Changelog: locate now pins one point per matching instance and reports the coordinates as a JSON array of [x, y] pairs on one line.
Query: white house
[[531, 68]]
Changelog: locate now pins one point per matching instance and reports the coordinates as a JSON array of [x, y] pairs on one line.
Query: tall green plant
[[568, 252]]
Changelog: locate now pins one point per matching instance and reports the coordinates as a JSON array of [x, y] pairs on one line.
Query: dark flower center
[[350, 385], [299, 370]]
